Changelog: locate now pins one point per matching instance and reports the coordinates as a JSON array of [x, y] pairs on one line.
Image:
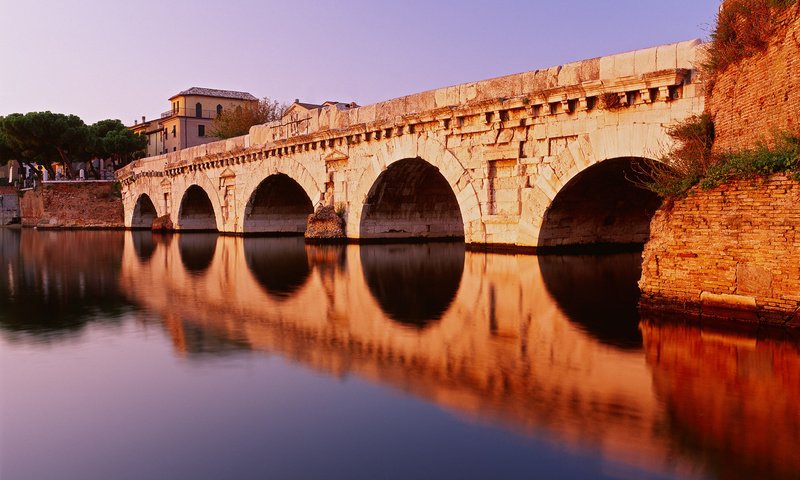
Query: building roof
[[213, 92]]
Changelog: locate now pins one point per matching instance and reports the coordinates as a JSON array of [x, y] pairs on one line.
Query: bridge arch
[[285, 169], [420, 164], [586, 197], [600, 207], [277, 205], [144, 212], [197, 212]]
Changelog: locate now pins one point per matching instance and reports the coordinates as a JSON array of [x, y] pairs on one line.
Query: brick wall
[[72, 205], [761, 94], [733, 250]]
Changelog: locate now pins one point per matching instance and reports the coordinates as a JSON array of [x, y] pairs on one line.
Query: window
[[173, 131], [201, 130], [198, 110], [219, 109]]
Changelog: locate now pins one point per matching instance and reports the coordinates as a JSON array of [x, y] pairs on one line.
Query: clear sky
[[124, 59]]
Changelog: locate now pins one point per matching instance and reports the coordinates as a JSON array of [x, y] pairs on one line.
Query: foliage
[[743, 28], [782, 156], [684, 166], [43, 138], [113, 141], [237, 121], [691, 162]]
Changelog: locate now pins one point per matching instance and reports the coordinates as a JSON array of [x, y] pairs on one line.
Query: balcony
[[189, 112]]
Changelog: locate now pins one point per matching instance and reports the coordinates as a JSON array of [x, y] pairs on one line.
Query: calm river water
[[129, 356]]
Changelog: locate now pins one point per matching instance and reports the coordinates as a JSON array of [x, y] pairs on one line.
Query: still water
[[131, 356]]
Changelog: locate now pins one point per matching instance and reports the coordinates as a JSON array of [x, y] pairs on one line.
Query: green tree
[[42, 138], [111, 140], [237, 121]]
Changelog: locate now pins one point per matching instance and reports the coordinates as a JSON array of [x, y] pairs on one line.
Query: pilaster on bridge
[[536, 159]]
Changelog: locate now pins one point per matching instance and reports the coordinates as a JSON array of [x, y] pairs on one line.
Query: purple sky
[[124, 59]]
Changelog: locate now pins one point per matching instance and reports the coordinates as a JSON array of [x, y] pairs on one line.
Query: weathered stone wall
[[736, 247], [761, 94], [88, 204]]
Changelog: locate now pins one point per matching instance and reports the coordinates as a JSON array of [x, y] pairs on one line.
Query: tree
[[235, 122], [42, 138], [111, 140]]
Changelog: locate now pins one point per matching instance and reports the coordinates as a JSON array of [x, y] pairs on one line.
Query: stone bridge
[[537, 159]]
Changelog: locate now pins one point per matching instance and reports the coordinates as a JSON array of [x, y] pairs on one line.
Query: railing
[[189, 112]]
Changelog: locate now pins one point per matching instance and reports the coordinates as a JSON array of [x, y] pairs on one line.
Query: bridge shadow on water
[[599, 293]]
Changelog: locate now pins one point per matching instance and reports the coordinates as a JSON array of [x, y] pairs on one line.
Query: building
[[188, 122]]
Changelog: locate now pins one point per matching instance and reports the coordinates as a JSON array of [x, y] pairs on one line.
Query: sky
[[123, 59]]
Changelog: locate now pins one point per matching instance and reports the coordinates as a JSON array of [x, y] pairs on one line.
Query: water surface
[[127, 355]]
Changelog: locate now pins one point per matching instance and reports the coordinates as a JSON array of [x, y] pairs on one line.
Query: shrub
[[676, 172]]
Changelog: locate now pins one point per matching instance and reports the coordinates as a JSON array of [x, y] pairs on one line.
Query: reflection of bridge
[[350, 310], [533, 159]]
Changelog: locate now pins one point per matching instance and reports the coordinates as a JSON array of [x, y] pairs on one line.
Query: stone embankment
[[733, 251], [89, 204]]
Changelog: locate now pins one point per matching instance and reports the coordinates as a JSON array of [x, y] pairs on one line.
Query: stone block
[[753, 280], [645, 61], [667, 57], [606, 67], [687, 53], [624, 64]]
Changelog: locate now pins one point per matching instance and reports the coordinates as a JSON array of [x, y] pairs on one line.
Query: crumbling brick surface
[[72, 205]]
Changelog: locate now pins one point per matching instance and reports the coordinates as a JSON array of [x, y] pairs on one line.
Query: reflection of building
[[188, 122]]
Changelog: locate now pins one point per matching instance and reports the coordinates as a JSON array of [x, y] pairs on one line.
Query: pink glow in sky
[[124, 59]]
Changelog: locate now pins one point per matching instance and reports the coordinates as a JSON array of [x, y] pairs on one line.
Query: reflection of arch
[[144, 212], [600, 293], [279, 264], [600, 206], [143, 245], [278, 205], [411, 199], [196, 211], [197, 251], [413, 283]]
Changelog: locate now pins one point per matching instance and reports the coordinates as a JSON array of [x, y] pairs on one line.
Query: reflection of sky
[[119, 404], [138, 54]]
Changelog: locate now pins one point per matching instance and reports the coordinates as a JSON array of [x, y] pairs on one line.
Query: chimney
[[143, 119]]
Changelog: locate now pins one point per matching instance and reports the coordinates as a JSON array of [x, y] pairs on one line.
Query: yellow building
[[188, 122]]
